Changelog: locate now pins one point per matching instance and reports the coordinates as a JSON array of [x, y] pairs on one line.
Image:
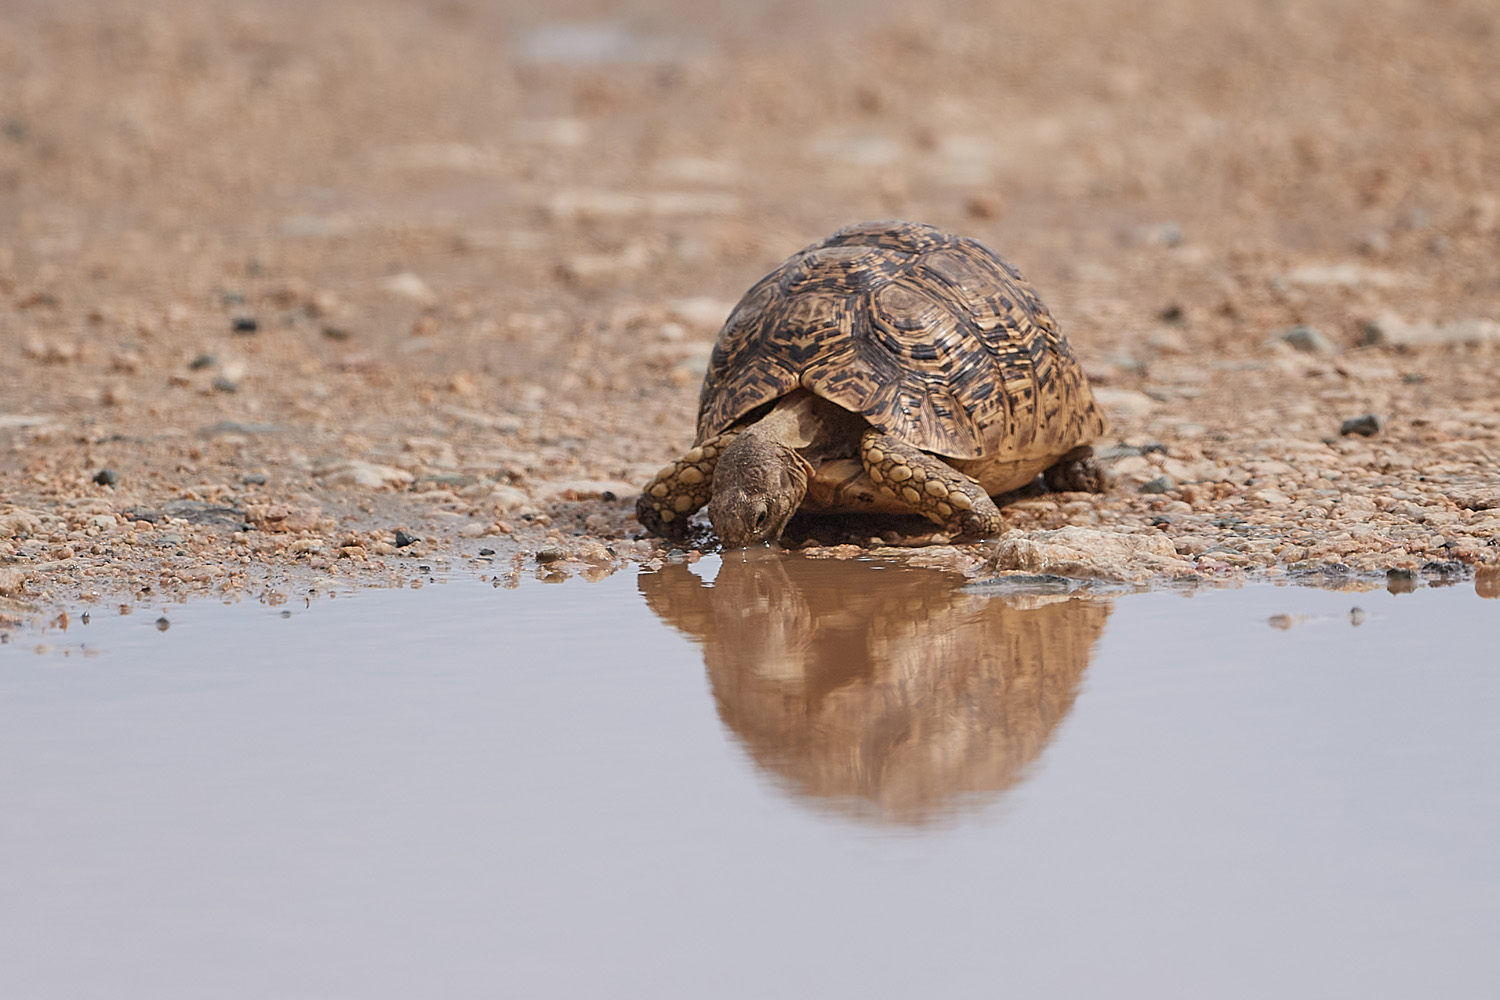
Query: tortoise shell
[[931, 337]]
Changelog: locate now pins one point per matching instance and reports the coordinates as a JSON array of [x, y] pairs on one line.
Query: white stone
[[409, 286], [353, 472], [1090, 552], [1124, 403], [1389, 329]]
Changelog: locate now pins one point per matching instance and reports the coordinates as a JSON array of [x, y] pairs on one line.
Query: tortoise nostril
[[758, 517]]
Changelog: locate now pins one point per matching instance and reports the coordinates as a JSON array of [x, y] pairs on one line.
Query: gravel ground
[[357, 291]]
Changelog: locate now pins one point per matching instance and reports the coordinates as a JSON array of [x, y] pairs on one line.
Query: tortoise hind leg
[[929, 486], [681, 489], [1075, 472]]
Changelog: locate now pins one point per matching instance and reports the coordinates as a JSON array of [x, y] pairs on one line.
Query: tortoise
[[892, 367]]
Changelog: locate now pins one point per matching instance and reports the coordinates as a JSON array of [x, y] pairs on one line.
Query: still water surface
[[780, 777]]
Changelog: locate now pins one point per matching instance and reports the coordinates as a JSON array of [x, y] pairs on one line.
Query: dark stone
[[486, 552], [237, 427], [1308, 339], [213, 515], [254, 479], [162, 624], [222, 384], [1444, 572], [1367, 425], [608, 496], [1337, 570], [144, 514], [336, 333], [550, 555], [244, 324], [1161, 484], [1025, 583], [1400, 581], [456, 479], [1129, 450], [106, 477], [403, 539], [202, 361]]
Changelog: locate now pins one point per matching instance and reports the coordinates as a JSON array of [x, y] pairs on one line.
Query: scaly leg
[[681, 489], [930, 486]]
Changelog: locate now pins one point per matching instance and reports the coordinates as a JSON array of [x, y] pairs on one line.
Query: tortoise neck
[[808, 425]]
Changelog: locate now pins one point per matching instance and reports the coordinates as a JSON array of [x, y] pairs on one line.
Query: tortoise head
[[758, 485]]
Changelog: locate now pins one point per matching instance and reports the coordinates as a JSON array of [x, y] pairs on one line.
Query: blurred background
[[528, 206]]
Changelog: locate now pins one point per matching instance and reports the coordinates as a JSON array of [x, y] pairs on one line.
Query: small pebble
[[403, 539], [1367, 425], [1400, 581], [1445, 568], [106, 477], [1161, 484], [245, 324], [549, 555], [1356, 616], [162, 624], [254, 479], [1308, 339]]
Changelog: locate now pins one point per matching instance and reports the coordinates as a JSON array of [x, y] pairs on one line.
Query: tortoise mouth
[[742, 520]]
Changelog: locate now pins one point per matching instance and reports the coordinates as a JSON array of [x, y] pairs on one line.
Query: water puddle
[[723, 778]]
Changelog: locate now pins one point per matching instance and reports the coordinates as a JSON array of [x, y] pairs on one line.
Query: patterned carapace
[[933, 338]]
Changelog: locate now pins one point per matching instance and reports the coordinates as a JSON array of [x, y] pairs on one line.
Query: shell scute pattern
[[933, 338]]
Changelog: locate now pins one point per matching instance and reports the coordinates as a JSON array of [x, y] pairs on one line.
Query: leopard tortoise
[[892, 367]]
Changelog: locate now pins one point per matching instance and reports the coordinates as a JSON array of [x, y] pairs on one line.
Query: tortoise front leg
[[681, 489], [929, 486]]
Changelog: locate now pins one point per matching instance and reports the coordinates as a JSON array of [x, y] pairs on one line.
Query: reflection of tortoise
[[891, 367], [880, 690]]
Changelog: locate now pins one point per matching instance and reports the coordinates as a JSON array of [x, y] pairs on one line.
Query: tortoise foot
[[1076, 472], [929, 486], [681, 489]]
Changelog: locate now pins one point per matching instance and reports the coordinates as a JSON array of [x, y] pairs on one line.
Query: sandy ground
[[277, 280]]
